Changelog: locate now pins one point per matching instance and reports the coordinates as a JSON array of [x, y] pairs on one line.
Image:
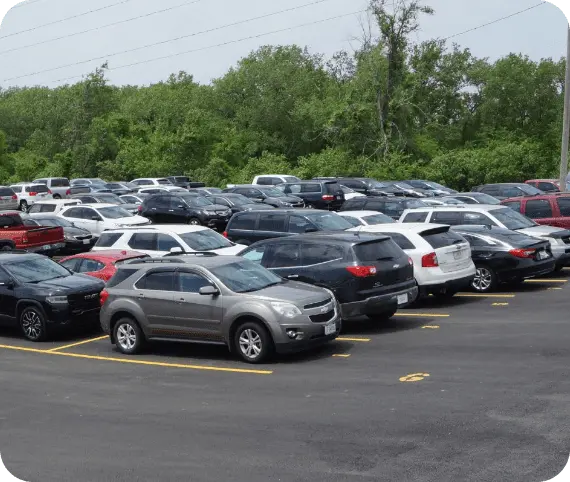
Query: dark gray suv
[[216, 299]]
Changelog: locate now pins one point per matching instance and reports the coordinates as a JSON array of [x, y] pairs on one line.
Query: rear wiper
[[385, 258]]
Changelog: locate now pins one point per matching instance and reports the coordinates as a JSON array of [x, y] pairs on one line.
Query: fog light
[[292, 334]]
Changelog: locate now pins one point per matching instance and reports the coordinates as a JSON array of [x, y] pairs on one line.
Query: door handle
[[171, 210], [181, 300], [293, 276], [141, 296]]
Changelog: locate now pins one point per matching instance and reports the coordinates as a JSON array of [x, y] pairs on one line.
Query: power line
[[64, 19], [43, 42], [106, 56], [494, 21], [223, 44]]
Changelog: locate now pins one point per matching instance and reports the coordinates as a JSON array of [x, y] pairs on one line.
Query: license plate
[[330, 328], [457, 254], [402, 299], [46, 247], [339, 198], [542, 255], [85, 241]]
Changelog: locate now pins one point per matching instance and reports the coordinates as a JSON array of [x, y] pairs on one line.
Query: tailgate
[[45, 235], [453, 252]]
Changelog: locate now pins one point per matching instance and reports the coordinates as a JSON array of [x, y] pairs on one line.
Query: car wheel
[[485, 280], [194, 222], [309, 206], [253, 342], [23, 206], [6, 247], [129, 338], [32, 323], [56, 196]]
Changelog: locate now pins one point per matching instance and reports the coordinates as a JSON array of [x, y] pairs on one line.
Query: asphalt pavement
[[476, 388]]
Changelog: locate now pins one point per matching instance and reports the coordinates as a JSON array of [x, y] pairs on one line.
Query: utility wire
[[494, 21], [221, 27], [223, 44], [64, 19]]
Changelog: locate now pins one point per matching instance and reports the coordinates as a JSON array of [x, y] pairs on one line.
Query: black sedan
[[237, 202], [503, 256], [77, 240]]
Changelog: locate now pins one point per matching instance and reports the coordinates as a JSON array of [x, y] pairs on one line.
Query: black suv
[[181, 208], [267, 195], [249, 227], [316, 194], [236, 202], [506, 190], [185, 182], [393, 207], [364, 185], [368, 274], [38, 294]]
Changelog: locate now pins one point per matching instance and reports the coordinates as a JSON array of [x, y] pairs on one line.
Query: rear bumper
[[524, 272], [454, 285], [378, 305], [47, 249]]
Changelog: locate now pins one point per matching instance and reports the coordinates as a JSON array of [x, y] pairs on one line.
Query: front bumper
[[378, 305], [313, 336], [60, 315], [561, 253]]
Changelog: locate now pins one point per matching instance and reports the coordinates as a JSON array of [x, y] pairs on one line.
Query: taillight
[[522, 253], [25, 239], [362, 271], [225, 234], [139, 208], [14, 197], [103, 297], [33, 193], [328, 197], [68, 192], [49, 191], [410, 261], [430, 261]]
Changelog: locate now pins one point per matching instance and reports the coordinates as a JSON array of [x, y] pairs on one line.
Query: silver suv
[[207, 298]]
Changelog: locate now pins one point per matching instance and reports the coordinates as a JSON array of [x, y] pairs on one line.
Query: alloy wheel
[[250, 343], [32, 325], [126, 336], [483, 279]]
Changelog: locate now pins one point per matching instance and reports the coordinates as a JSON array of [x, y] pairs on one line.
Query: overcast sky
[[539, 32]]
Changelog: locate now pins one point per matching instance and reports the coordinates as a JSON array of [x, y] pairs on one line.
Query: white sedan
[[101, 217], [365, 218]]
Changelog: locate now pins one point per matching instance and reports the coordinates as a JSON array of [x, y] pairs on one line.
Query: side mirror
[[176, 250], [181, 206], [311, 229], [209, 291], [95, 218]]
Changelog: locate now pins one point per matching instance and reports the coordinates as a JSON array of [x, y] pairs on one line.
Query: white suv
[[498, 216], [101, 217], [274, 179], [29, 193], [168, 239], [442, 258], [152, 181]]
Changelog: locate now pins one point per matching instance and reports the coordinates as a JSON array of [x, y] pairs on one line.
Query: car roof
[[108, 255], [416, 228], [549, 195], [460, 207], [359, 214], [170, 228], [208, 262], [57, 201], [330, 236]]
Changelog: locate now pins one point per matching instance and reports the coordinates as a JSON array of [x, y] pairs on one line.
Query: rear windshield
[[378, 219], [441, 237], [6, 191], [37, 188], [377, 250], [163, 181], [512, 219], [107, 239], [120, 276], [7, 221], [60, 182]]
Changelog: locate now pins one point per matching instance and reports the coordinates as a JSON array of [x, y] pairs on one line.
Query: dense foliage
[[391, 110]]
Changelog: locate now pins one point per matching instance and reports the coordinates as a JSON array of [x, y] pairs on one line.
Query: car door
[[284, 260], [563, 207], [159, 208], [271, 225], [75, 216], [8, 299], [178, 212], [197, 316], [540, 210], [91, 220], [154, 293]]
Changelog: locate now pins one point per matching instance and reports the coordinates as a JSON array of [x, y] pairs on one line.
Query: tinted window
[[160, 202], [191, 283], [120, 276], [511, 192], [354, 204], [272, 222], [547, 186], [491, 190], [285, 255], [315, 253], [328, 221], [354, 221], [6, 191], [297, 224], [87, 213], [166, 242], [161, 281], [163, 181], [293, 188], [438, 238], [37, 188], [511, 219], [373, 251], [36, 208], [516, 205], [477, 219], [76, 213], [90, 266], [268, 181], [47, 208], [446, 217], [144, 241], [539, 208], [564, 206], [10, 220], [59, 183], [107, 240], [70, 264], [245, 221], [220, 200], [415, 217], [308, 188], [401, 240]]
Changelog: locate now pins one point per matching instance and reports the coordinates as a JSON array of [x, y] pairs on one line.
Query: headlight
[[57, 300], [283, 203], [286, 309]]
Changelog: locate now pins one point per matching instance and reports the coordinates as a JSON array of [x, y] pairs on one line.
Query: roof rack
[[152, 261], [206, 254]]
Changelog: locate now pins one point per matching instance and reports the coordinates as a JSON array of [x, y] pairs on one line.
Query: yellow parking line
[[341, 356], [499, 304], [430, 327], [554, 289], [422, 315], [138, 362], [482, 295], [78, 343], [364, 340], [546, 281]]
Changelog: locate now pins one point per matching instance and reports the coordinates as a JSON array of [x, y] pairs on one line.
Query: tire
[[485, 280], [33, 324], [309, 206], [23, 206], [194, 222], [558, 269], [56, 196], [6, 247], [253, 343], [129, 338]]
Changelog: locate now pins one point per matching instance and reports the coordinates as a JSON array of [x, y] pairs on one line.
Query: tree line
[[392, 109]]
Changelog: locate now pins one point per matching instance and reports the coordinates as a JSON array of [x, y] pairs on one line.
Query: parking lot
[[474, 388]]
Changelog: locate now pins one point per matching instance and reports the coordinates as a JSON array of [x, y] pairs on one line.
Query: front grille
[[82, 237], [81, 302], [323, 318], [317, 305]]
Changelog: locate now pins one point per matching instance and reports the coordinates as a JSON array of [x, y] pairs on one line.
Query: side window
[[310, 188], [243, 192], [354, 221], [174, 202], [547, 187], [477, 219], [264, 181], [285, 256], [351, 184], [47, 208], [466, 200], [447, 217], [36, 208], [356, 204], [564, 206], [539, 208], [375, 205], [89, 214], [415, 217], [75, 213], [162, 202], [157, 281], [511, 192], [393, 209], [298, 225], [316, 253], [106, 240], [255, 254], [516, 205], [70, 264], [144, 182], [294, 188], [90, 266], [245, 221], [191, 282], [220, 200], [166, 242], [401, 240], [146, 241], [491, 190], [272, 222]]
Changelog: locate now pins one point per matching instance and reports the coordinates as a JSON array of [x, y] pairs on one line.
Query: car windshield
[[110, 198], [486, 198], [403, 185], [346, 190], [197, 201], [240, 200], [35, 270], [272, 192], [376, 184], [328, 221], [205, 240], [114, 212], [530, 190], [245, 276], [378, 219], [512, 219], [165, 182], [64, 223]]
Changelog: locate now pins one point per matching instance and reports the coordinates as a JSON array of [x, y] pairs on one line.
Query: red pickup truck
[[15, 235], [549, 209]]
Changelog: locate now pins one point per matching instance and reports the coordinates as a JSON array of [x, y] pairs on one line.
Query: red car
[[546, 185], [549, 209], [99, 264]]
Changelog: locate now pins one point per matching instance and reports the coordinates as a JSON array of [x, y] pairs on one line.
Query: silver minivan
[[59, 186], [8, 199]]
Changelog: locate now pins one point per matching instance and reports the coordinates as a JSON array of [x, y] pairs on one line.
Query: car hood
[[285, 199], [215, 207], [129, 207], [299, 294], [76, 283], [231, 251], [541, 230], [134, 220]]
